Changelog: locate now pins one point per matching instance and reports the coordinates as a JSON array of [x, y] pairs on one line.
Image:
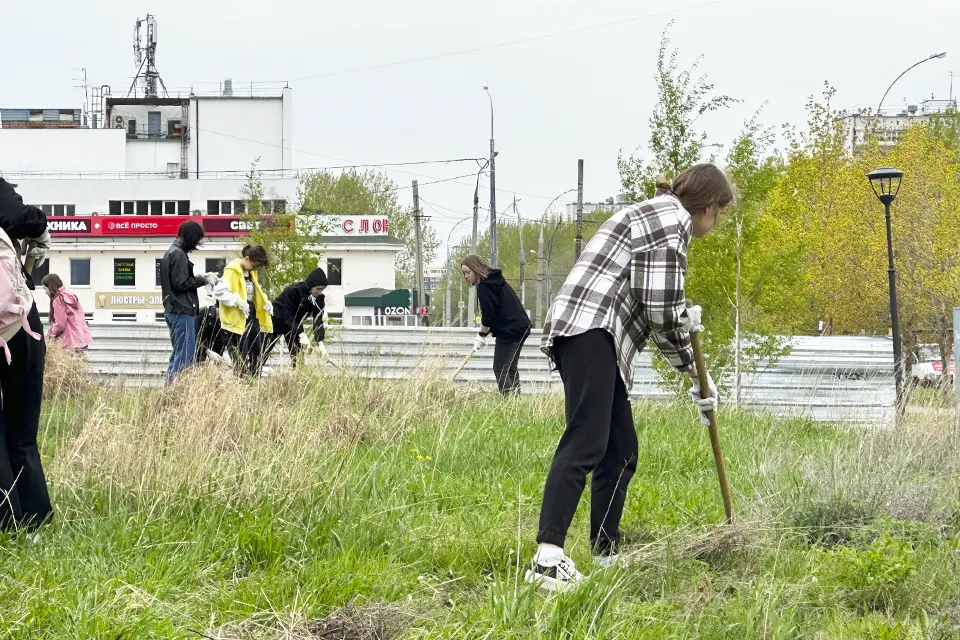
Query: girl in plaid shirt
[[627, 287]]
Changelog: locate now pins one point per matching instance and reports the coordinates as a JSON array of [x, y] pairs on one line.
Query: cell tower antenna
[[145, 57]]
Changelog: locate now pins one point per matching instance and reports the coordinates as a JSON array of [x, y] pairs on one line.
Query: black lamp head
[[886, 183]]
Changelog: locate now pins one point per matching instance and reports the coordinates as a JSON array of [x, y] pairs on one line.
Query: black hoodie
[[500, 308]]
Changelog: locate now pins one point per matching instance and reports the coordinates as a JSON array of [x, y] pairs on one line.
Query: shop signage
[[157, 226], [361, 226], [129, 300], [393, 311], [64, 226], [124, 272]]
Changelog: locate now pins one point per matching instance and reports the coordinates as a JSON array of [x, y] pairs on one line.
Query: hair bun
[[663, 183]]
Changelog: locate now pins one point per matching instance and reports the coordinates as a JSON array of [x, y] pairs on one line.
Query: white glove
[[479, 343], [211, 278], [268, 307], [38, 248], [304, 340], [322, 350], [692, 323], [244, 306], [704, 404]]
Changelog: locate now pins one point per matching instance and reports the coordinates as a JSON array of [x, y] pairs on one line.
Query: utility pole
[[471, 309], [579, 246], [494, 255], [540, 279], [446, 300], [523, 259], [421, 296]]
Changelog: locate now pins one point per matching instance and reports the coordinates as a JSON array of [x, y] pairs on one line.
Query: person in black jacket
[[296, 303], [25, 500], [502, 315], [181, 304]]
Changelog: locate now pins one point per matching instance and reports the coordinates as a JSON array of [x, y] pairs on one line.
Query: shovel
[[714, 432], [464, 363]]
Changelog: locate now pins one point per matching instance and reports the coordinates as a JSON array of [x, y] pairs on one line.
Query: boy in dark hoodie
[[296, 303], [502, 315]]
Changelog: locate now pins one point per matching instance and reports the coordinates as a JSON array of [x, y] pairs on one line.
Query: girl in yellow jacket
[[244, 308]]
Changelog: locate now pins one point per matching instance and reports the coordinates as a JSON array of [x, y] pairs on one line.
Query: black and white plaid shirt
[[629, 281]]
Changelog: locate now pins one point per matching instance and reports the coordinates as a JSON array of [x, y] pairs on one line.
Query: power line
[[509, 43]]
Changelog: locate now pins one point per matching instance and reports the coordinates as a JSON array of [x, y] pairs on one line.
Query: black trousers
[[248, 348], [24, 499], [506, 357], [290, 335], [600, 438]]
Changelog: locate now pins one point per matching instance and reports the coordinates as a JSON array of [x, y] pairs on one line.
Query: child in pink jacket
[[68, 323]]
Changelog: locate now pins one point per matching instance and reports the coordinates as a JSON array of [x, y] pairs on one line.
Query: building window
[[335, 272], [215, 265], [124, 316], [71, 209], [183, 207], [125, 272], [131, 128], [143, 207], [169, 208], [159, 317], [213, 207], [47, 209], [116, 208], [80, 272], [335, 318], [156, 208], [129, 208], [226, 208], [59, 209]]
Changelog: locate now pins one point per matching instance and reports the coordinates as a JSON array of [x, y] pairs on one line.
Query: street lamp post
[[493, 188], [939, 55], [446, 306], [540, 260], [886, 184]]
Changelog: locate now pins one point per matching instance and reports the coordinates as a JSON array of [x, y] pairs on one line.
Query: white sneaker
[[605, 562], [555, 577]]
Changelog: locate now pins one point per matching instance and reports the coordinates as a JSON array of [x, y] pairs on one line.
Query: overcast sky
[[586, 94]]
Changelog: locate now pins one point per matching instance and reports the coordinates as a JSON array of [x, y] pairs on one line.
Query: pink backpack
[[16, 300]]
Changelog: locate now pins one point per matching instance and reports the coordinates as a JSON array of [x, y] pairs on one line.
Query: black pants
[[248, 349], [290, 335], [600, 438], [24, 500], [506, 357]]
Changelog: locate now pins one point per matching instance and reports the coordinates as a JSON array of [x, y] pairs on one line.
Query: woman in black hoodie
[[501, 314]]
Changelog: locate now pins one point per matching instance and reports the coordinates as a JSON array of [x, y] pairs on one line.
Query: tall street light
[[540, 260], [446, 306], [939, 55], [886, 184], [493, 188]]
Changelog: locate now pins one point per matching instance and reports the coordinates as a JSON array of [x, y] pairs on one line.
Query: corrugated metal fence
[[826, 378]]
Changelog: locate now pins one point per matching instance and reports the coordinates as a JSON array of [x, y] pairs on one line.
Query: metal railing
[[824, 378]]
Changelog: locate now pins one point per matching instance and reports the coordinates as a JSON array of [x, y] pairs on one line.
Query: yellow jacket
[[231, 318]]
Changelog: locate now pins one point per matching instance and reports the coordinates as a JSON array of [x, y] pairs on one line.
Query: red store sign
[[159, 226]]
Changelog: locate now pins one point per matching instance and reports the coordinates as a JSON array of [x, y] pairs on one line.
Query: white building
[[890, 124], [433, 276], [611, 204], [115, 196]]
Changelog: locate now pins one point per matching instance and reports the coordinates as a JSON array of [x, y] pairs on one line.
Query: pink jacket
[[68, 321]]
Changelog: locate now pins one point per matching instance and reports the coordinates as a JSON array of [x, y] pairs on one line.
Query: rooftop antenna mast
[[145, 57]]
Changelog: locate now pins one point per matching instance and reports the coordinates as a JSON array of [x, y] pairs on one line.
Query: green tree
[[292, 241], [675, 143], [370, 193]]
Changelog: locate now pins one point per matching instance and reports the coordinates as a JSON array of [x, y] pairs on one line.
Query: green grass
[[223, 511]]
